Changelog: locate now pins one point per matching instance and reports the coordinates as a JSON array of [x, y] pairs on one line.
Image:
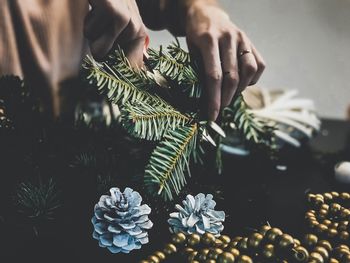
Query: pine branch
[[179, 54], [38, 201], [149, 122], [137, 76], [165, 64], [119, 90], [253, 130], [177, 68], [170, 159]]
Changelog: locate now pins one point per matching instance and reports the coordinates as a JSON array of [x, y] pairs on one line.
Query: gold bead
[[333, 260], [319, 200], [210, 261], [301, 254], [144, 261], [297, 242], [244, 259], [310, 240], [208, 238], [311, 197], [225, 239], [218, 243], [273, 233], [327, 196], [334, 208], [323, 251], [254, 240], [321, 228], [322, 213], [154, 259], [326, 245], [268, 251], [169, 249], [332, 232], [214, 253], [341, 252], [191, 256], [310, 214], [313, 223], [327, 222], [325, 207], [187, 250], [194, 261], [178, 238], [285, 241], [193, 240], [317, 257], [264, 229], [203, 254], [226, 257], [343, 246], [160, 255], [335, 194], [234, 251], [235, 241], [345, 196], [345, 213]]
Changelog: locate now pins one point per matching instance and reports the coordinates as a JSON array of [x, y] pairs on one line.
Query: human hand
[[230, 60], [111, 22]]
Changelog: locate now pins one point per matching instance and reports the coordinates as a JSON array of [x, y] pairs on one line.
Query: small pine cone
[[121, 222], [197, 216]]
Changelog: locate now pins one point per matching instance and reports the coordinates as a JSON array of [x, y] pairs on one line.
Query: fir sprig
[[139, 77], [254, 131], [117, 88], [38, 201], [149, 122], [170, 160], [176, 66]]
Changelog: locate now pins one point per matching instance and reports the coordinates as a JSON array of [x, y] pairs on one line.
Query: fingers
[[261, 66], [134, 51], [213, 76], [247, 63], [103, 44], [229, 63]]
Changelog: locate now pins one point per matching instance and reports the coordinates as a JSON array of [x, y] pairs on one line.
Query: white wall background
[[306, 44]]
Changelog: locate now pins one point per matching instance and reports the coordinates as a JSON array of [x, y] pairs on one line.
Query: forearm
[[168, 14]]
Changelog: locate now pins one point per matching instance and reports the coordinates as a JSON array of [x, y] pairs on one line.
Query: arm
[[230, 60]]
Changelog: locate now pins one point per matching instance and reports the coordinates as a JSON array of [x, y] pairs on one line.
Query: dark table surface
[[251, 191]]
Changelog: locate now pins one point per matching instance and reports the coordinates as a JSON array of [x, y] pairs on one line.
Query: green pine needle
[[118, 89], [170, 160], [38, 201], [253, 130], [149, 122]]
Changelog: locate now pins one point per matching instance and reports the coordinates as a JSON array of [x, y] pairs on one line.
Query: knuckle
[[207, 36], [214, 76], [241, 35], [251, 68], [232, 79], [262, 65], [227, 36]]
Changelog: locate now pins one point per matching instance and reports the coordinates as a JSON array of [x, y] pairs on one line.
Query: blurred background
[[306, 45]]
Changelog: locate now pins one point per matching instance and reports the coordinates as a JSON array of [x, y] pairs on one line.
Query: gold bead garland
[[328, 242], [328, 219]]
